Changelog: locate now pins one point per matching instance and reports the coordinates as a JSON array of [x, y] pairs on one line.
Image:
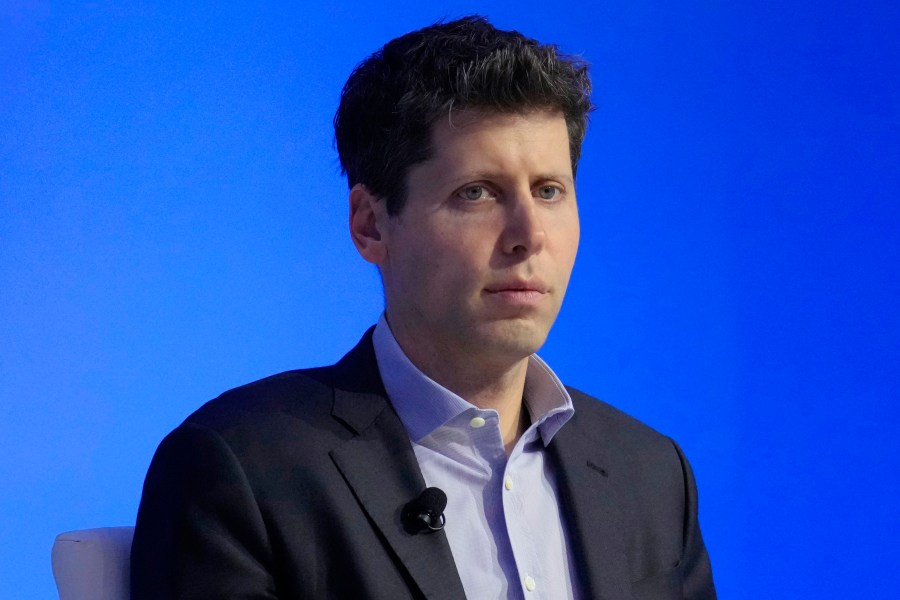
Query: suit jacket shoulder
[[618, 426], [289, 487], [304, 395]]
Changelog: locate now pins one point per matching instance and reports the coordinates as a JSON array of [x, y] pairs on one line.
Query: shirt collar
[[424, 405]]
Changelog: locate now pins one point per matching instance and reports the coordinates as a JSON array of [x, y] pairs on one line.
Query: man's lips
[[519, 288]]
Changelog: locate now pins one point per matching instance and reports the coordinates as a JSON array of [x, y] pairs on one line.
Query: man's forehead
[[496, 128], [472, 145]]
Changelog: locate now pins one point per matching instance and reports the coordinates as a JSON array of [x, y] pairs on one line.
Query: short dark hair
[[391, 100]]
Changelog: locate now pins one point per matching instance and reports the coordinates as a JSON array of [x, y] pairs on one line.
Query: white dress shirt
[[504, 522]]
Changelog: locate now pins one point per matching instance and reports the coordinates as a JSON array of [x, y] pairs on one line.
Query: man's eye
[[474, 192], [548, 192]]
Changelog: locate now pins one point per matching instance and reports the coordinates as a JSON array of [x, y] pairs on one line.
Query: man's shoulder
[[297, 396], [646, 463], [613, 427]]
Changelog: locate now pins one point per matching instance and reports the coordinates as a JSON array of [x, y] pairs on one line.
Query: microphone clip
[[425, 514]]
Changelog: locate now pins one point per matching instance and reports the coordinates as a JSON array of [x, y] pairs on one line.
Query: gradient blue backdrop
[[172, 224]]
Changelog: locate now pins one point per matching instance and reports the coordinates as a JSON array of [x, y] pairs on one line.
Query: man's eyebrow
[[567, 179], [472, 176]]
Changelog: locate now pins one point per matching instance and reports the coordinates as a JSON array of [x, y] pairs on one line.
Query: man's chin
[[513, 338]]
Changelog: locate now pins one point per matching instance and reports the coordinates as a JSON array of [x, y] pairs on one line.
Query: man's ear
[[368, 215]]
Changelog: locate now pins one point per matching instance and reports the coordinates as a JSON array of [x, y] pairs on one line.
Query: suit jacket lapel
[[380, 467], [592, 510]]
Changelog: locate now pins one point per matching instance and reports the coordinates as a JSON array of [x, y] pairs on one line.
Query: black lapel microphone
[[425, 514]]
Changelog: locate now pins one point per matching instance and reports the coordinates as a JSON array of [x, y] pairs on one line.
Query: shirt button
[[477, 423], [529, 583], [507, 482]]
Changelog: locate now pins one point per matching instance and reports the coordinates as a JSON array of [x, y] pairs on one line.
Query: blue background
[[172, 224]]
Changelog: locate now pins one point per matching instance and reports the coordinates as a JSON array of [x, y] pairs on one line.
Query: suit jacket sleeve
[[199, 531], [695, 566]]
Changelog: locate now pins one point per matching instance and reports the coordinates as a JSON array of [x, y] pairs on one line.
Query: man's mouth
[[533, 286]]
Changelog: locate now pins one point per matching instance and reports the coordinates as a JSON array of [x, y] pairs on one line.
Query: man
[[460, 144]]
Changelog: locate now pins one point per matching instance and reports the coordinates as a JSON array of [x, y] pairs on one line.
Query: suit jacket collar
[[381, 469], [360, 396]]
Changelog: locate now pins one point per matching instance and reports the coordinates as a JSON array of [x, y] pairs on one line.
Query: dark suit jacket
[[292, 487]]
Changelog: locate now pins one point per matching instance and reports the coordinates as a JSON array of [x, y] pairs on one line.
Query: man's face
[[477, 262]]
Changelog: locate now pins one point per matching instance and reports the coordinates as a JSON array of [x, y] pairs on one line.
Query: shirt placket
[[522, 540]]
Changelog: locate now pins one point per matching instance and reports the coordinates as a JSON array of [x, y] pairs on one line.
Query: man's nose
[[524, 232]]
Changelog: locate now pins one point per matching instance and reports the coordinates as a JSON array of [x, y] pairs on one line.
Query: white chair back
[[93, 564]]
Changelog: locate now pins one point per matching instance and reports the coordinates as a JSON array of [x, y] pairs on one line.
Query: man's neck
[[488, 383], [490, 389]]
